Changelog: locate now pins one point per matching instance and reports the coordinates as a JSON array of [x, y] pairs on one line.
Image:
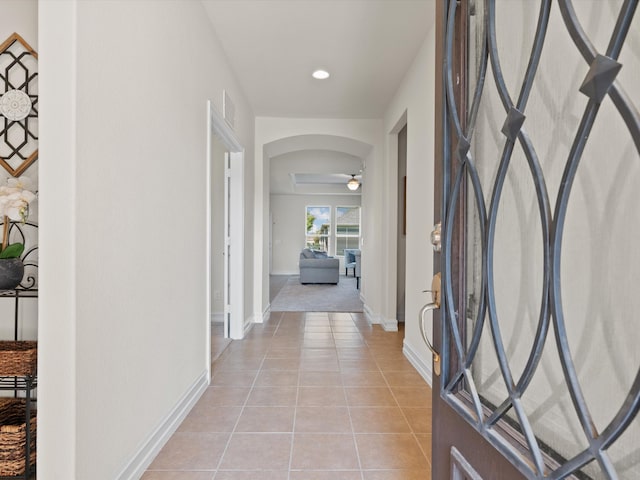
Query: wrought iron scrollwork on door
[[486, 197]]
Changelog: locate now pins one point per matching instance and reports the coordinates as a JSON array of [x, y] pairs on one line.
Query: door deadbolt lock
[[436, 237], [435, 304]]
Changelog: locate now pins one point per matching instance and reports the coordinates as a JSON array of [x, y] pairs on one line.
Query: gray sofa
[[317, 267]]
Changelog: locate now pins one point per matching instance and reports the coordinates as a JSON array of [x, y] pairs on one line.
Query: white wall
[[288, 217], [415, 100], [21, 17], [270, 129], [123, 200]]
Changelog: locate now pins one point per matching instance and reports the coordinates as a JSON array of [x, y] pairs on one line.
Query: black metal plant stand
[[26, 384], [26, 233]]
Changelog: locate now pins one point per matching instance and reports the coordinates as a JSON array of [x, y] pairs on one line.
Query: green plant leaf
[[12, 251]]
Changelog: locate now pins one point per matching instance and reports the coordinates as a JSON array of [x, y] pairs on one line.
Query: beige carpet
[[295, 297]]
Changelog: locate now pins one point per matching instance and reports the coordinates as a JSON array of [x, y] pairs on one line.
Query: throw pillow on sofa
[[306, 253]]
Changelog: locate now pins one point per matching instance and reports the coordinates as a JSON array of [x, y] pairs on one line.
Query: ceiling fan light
[[353, 184]]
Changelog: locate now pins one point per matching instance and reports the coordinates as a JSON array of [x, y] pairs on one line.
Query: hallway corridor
[[306, 396]]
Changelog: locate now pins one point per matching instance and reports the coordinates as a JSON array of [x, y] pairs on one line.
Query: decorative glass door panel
[[541, 303]]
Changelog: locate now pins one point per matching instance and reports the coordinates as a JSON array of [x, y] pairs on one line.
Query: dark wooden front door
[[537, 188]]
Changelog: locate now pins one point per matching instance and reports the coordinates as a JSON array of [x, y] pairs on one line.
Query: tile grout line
[[246, 400], [353, 431], [295, 415], [389, 386], [413, 433]]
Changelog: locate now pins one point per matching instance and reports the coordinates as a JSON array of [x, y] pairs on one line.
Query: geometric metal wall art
[[18, 105]]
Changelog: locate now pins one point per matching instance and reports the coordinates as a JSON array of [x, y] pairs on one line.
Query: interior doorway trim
[[216, 125], [390, 312], [223, 130]]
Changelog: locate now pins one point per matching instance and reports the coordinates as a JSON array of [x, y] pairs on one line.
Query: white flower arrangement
[[15, 198]]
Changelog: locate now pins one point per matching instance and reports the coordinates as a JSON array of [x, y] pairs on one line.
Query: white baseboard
[[422, 365], [370, 316], [390, 325], [257, 317], [248, 325], [387, 324], [158, 438], [261, 317]]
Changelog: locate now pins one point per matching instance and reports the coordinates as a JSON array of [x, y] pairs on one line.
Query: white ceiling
[[273, 46]]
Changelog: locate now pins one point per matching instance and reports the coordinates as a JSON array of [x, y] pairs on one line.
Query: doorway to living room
[[312, 207]]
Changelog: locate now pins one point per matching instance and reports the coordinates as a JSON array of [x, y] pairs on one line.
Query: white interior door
[[233, 247], [227, 245]]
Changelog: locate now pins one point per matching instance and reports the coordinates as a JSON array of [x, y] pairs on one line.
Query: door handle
[[435, 304]]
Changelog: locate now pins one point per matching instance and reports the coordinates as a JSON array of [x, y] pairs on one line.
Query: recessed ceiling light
[[320, 74]]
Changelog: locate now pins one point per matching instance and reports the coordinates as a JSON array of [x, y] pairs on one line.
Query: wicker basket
[[18, 359], [13, 437]]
